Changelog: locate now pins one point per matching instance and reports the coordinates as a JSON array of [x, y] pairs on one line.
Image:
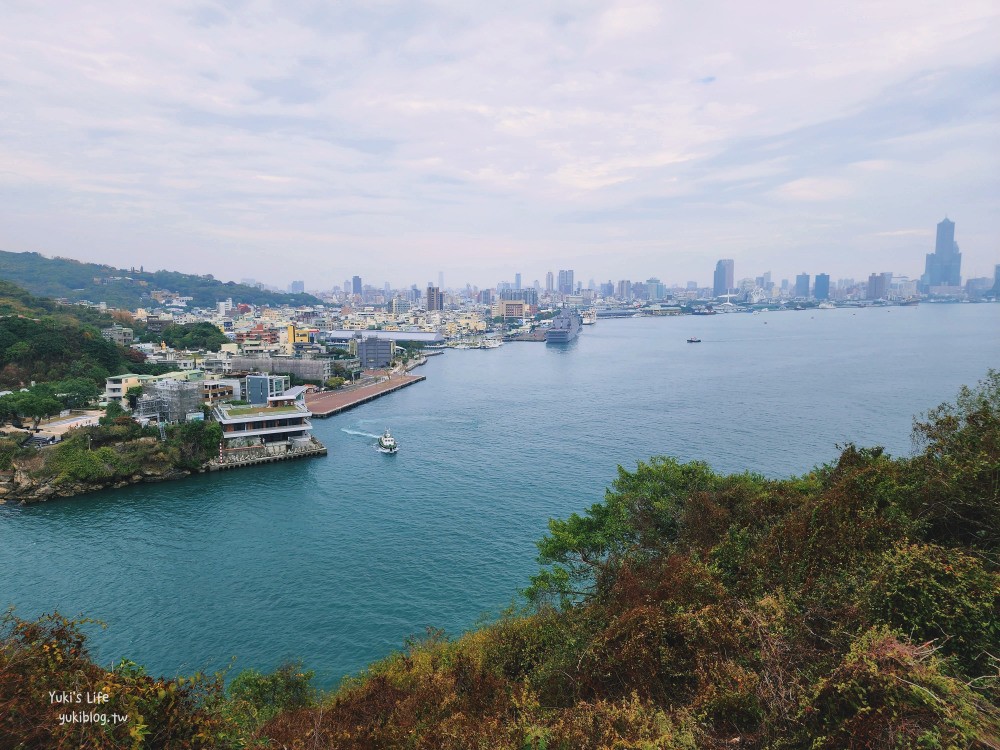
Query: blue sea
[[335, 561]]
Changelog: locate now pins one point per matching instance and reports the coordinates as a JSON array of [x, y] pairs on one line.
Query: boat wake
[[358, 432]]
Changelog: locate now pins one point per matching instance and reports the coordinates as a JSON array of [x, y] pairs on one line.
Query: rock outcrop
[[21, 486]]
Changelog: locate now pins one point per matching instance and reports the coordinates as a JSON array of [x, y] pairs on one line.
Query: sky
[[396, 140]]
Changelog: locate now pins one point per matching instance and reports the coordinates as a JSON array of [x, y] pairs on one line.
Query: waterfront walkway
[[328, 403]]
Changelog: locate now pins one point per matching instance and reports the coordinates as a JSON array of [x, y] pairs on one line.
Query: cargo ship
[[565, 327]]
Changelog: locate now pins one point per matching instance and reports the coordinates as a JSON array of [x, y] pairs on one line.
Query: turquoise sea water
[[336, 560]]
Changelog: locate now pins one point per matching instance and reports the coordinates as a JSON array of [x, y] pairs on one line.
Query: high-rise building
[[879, 284], [566, 285], [822, 290], [802, 285], [943, 266], [356, 285], [723, 280], [517, 281], [435, 298], [530, 296], [296, 287], [549, 282]]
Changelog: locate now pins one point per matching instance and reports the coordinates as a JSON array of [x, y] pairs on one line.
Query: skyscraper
[[822, 286], [802, 285], [723, 281], [517, 281], [549, 281], [878, 285], [943, 266], [356, 285], [297, 287], [566, 285], [435, 298]]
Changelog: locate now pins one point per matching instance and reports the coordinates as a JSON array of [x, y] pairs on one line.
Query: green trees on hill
[[193, 336], [129, 289]]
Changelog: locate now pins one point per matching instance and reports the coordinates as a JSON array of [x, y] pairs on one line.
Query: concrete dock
[[317, 449], [328, 403]]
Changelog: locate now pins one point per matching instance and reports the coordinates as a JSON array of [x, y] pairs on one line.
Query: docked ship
[[565, 327], [589, 317]]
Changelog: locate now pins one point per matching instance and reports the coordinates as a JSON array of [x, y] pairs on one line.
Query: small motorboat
[[694, 340], [387, 443]]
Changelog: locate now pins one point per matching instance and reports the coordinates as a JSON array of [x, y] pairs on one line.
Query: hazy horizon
[[622, 140]]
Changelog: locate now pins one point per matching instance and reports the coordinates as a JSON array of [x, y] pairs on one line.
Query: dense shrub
[[46, 675]]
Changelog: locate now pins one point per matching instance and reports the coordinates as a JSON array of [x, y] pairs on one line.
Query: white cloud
[[383, 125]]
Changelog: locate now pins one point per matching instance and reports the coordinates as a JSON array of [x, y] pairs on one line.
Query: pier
[[238, 458], [328, 403]]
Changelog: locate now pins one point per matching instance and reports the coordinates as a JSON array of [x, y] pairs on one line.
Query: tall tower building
[[356, 285], [943, 266], [879, 284], [723, 280], [822, 291], [517, 281], [549, 281], [802, 285], [435, 298], [566, 285]]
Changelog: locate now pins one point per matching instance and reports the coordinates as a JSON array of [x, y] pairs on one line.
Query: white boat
[[589, 317], [387, 443]]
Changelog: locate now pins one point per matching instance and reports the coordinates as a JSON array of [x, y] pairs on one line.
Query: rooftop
[[243, 411]]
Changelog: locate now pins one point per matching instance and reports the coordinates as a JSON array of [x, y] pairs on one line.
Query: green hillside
[[128, 289], [44, 341]]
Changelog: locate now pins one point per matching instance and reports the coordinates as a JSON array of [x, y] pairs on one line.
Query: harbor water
[[335, 561]]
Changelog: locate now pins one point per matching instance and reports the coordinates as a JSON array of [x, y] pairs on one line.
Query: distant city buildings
[[802, 285], [549, 282], [879, 285], [566, 284], [943, 267], [821, 291], [297, 287], [435, 299], [724, 276], [356, 285]]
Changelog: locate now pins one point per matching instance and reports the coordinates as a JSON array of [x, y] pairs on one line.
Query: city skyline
[[623, 140]]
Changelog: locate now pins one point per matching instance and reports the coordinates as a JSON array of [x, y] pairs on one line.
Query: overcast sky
[[317, 140]]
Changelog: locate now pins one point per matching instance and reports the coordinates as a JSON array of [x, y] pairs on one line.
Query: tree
[[194, 336], [32, 405], [76, 393], [639, 516]]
